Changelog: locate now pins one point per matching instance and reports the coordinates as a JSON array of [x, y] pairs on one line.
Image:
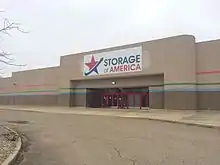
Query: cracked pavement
[[69, 139]]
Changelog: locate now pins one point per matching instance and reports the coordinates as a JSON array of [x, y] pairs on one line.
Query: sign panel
[[119, 61]]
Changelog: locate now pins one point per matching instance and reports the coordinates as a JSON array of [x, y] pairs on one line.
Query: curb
[[26, 110], [12, 157], [177, 122]]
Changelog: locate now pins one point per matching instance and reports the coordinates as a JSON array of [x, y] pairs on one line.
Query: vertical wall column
[[80, 97], [64, 97], [180, 97], [180, 75], [156, 97], [65, 89]]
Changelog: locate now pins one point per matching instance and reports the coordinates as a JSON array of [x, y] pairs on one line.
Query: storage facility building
[[170, 73]]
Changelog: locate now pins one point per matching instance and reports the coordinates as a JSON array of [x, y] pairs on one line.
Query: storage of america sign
[[119, 61]]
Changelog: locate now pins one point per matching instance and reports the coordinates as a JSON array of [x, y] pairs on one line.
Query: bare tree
[[6, 57]]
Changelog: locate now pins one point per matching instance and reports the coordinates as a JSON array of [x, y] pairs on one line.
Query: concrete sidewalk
[[204, 118]]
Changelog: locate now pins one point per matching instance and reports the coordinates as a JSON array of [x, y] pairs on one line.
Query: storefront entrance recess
[[123, 100]]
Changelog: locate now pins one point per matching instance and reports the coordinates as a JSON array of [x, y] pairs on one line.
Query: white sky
[[59, 27]]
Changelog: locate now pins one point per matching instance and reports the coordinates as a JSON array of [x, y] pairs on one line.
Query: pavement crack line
[[132, 160]]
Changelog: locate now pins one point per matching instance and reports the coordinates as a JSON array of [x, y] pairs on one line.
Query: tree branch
[[5, 59], [5, 55], [8, 26], [10, 63]]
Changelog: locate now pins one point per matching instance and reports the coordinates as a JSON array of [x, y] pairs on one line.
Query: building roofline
[[37, 69], [214, 40], [117, 47]]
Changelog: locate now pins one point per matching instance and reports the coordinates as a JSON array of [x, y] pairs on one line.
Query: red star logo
[[92, 63]]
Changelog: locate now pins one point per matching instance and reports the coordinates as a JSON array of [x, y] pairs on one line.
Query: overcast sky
[[59, 27]]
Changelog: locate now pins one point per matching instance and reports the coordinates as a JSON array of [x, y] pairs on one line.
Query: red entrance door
[[121, 99], [144, 100]]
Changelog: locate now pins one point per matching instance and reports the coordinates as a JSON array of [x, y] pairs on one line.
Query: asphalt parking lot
[[68, 139]]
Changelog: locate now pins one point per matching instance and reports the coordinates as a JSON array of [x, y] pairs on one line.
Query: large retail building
[[170, 73]]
